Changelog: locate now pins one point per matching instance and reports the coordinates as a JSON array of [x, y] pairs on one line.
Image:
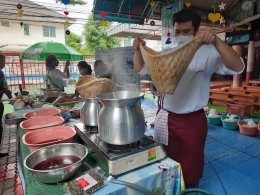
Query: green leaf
[[77, 2], [74, 41], [96, 37]]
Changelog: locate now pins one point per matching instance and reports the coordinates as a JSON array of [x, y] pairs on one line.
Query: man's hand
[[207, 37], [228, 55], [137, 43]]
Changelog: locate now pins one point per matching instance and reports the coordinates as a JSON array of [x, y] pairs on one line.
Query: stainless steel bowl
[[59, 174]]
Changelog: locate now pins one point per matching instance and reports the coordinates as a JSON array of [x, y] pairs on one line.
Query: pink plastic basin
[[48, 136], [41, 122], [249, 131], [46, 112]]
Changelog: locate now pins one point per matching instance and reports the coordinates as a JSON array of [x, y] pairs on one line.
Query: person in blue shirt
[[3, 90]]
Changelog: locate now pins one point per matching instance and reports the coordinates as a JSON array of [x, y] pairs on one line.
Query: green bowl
[[232, 125], [214, 120]]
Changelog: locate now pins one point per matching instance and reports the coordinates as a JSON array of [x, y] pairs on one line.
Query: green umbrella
[[40, 50]]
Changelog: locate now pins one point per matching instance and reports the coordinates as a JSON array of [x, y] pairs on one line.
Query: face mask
[[180, 40]]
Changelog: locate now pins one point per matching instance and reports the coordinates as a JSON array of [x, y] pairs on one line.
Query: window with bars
[[26, 29], [49, 31]]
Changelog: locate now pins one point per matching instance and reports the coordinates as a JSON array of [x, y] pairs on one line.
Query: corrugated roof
[[30, 9]]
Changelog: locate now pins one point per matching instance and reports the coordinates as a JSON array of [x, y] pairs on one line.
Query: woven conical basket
[[90, 87], [85, 79], [166, 70]]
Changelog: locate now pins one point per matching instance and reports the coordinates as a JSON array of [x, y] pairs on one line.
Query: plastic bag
[[88, 183]]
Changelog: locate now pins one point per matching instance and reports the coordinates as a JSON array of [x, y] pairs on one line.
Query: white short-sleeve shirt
[[192, 92]]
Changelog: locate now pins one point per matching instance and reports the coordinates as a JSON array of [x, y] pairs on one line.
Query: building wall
[[14, 33]]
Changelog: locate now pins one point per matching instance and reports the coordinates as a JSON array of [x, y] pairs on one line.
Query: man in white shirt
[[182, 112]]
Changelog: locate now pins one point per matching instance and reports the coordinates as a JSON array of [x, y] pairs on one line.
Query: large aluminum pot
[[121, 119], [90, 111]]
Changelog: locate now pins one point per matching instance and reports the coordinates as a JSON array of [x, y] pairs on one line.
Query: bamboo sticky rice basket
[[89, 86], [85, 79], [166, 70]]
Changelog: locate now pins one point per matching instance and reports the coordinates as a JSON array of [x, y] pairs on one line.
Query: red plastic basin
[[48, 136], [250, 131], [46, 112], [41, 122]]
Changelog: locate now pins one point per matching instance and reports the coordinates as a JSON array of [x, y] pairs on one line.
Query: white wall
[[14, 33]]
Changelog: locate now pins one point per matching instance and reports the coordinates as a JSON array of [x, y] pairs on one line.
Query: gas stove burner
[[91, 129], [123, 148], [115, 157]]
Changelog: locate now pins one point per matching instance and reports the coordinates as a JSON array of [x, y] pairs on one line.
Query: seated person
[[101, 70], [84, 68], [54, 76], [66, 70]]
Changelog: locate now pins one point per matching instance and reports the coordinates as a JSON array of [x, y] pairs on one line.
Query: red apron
[[187, 136]]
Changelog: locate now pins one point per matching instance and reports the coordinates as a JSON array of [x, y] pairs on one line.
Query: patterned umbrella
[[40, 50]]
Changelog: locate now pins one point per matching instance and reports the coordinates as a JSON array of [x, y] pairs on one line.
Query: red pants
[[187, 136]]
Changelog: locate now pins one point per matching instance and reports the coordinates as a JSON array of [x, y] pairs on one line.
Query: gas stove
[[121, 159]]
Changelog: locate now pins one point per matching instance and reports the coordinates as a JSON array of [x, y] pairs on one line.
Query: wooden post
[[237, 79], [22, 73], [250, 61]]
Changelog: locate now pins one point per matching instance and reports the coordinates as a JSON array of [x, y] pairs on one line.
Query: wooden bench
[[241, 95], [254, 82], [242, 98], [252, 89], [219, 86], [237, 90], [218, 97]]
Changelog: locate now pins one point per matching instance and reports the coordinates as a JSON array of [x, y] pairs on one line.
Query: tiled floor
[[10, 182], [232, 163], [232, 160]]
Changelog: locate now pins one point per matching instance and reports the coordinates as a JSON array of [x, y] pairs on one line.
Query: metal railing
[[31, 74]]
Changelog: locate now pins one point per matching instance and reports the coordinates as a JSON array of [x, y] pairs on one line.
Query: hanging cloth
[[161, 124]]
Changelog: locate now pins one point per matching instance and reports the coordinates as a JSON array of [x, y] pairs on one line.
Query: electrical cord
[[133, 186]]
